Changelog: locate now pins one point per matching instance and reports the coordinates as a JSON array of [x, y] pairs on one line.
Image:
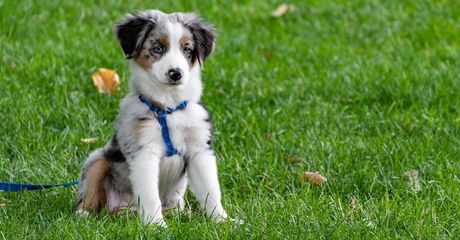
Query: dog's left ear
[[132, 32], [204, 36]]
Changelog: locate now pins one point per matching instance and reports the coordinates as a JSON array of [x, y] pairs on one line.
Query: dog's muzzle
[[175, 75]]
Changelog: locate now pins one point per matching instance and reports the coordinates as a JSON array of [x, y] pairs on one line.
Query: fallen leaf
[[282, 10], [292, 159], [314, 178], [414, 182], [270, 136], [267, 55], [88, 140], [106, 81]]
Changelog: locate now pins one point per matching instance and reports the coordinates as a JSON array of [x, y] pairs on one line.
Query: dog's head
[[167, 46]]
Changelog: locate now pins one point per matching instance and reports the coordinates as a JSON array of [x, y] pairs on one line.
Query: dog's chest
[[187, 129]]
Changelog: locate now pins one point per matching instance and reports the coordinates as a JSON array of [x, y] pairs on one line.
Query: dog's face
[[167, 46]]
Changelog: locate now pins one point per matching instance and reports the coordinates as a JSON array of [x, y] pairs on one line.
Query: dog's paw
[[82, 213], [224, 218], [236, 221], [219, 217], [152, 221], [159, 223]]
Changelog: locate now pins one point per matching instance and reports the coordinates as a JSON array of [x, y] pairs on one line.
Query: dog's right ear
[[132, 32]]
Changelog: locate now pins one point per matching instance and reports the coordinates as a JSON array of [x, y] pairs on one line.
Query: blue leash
[[16, 187], [161, 117], [170, 150]]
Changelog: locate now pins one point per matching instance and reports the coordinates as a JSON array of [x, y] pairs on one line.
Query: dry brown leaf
[[314, 178], [282, 10], [106, 81], [88, 140], [414, 183], [292, 159], [270, 136]]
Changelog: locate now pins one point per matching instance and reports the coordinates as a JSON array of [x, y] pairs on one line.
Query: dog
[[162, 140]]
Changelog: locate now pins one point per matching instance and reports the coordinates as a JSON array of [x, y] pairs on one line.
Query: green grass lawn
[[361, 92]]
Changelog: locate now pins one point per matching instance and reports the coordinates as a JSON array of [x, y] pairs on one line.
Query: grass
[[361, 91]]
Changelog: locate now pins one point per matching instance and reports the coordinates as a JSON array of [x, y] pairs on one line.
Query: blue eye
[[158, 50], [187, 50]]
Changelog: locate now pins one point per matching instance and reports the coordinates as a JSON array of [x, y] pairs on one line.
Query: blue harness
[[161, 117]]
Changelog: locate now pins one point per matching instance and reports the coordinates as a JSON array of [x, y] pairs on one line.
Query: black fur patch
[[186, 158], [132, 33], [203, 37], [209, 121], [113, 153], [143, 119]]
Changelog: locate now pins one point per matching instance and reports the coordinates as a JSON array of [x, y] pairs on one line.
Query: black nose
[[175, 74]]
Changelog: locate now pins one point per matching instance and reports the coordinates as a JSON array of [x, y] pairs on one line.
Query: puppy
[[163, 132]]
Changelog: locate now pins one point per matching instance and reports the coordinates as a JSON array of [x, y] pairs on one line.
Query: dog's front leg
[[204, 183], [144, 177]]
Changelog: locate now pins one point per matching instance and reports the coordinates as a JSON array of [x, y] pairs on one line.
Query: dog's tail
[[91, 193]]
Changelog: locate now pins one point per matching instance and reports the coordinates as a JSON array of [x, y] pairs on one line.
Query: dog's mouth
[[174, 83]]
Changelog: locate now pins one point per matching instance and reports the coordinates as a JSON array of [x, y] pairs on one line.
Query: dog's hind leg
[[91, 193]]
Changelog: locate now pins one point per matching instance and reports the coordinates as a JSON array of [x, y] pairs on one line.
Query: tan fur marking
[[194, 64], [184, 41], [165, 41], [139, 126], [95, 197], [144, 59]]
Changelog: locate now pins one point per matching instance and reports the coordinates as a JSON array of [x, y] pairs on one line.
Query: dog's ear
[[132, 32], [204, 36]]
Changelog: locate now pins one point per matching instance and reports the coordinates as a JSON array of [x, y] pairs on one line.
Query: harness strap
[[161, 117]]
